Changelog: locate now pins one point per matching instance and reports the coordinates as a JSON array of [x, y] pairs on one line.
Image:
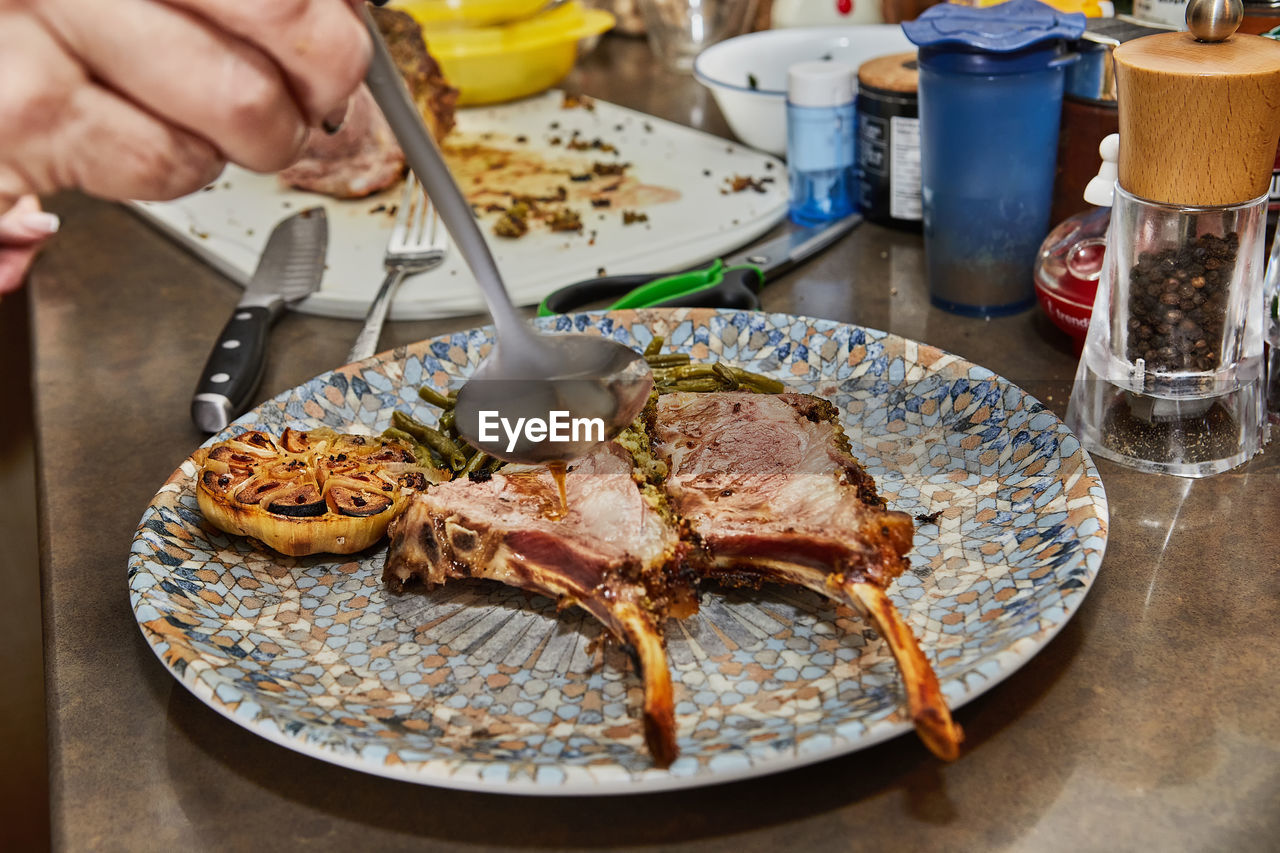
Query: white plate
[[228, 223]]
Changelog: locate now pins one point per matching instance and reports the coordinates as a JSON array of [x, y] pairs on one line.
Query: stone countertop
[[1148, 723]]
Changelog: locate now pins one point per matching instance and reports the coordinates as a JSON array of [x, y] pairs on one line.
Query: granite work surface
[[1148, 723]]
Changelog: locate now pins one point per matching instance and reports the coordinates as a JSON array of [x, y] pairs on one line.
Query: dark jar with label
[[889, 141]]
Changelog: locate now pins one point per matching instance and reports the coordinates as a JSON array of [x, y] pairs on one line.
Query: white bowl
[[758, 116]]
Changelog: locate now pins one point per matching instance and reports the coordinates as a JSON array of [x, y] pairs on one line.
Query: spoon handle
[[392, 97]]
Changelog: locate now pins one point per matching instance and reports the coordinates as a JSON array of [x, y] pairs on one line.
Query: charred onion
[[308, 492]]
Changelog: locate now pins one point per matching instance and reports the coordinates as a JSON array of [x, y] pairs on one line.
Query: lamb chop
[[363, 157], [612, 549], [768, 484]]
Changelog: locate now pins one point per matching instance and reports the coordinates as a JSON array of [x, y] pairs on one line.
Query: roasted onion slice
[[308, 492]]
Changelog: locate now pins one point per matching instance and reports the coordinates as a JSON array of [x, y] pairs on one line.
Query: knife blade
[[290, 268], [796, 245], [732, 282]]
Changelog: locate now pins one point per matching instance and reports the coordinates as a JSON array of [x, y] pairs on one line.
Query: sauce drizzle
[[558, 470]]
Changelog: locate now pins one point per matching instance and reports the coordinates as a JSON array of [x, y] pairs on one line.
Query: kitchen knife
[[733, 282], [797, 244], [290, 268]]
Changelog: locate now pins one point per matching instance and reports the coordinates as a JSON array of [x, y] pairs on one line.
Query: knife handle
[[233, 370]]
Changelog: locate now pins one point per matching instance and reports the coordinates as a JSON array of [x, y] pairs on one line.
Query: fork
[[417, 244]]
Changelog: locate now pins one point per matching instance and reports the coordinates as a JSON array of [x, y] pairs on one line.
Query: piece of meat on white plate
[[768, 483], [363, 157]]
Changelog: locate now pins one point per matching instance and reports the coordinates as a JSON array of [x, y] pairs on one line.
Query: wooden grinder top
[[1199, 121]]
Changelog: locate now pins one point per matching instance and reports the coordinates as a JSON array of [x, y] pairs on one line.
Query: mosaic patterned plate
[[482, 687]]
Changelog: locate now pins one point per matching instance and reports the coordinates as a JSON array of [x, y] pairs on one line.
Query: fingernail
[[40, 222], [332, 123]]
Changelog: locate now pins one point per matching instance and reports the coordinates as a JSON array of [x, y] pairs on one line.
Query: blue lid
[[1004, 28]]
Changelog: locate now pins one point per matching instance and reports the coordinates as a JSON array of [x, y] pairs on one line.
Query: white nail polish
[[41, 222]]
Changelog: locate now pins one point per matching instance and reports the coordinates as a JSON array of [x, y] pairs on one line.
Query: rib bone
[[768, 485], [613, 554]]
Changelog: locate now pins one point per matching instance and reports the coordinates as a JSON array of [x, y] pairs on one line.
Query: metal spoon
[[526, 377]]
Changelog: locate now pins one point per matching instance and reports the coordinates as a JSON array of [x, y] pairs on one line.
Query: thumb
[[25, 224], [14, 263]]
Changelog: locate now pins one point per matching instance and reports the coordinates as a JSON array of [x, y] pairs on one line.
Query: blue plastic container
[[820, 162], [991, 83], [820, 141]]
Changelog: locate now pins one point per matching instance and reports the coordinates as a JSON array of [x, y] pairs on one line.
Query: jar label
[[904, 168], [872, 144]]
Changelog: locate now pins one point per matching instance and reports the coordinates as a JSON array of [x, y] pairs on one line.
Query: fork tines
[[417, 224]]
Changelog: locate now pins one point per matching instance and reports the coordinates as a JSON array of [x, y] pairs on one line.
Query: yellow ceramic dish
[[469, 13], [502, 63]]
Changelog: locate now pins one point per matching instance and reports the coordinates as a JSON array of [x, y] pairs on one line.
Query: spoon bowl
[[584, 391]]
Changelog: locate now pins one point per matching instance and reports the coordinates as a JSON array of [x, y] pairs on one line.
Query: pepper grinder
[[1171, 379]]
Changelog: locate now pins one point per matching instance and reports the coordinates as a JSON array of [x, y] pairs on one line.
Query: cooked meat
[[615, 553], [768, 484], [435, 98], [359, 160], [768, 478], [363, 156]]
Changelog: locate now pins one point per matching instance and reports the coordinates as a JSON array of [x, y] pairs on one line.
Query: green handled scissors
[[733, 282]]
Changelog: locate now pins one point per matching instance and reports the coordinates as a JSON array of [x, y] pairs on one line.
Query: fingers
[[147, 99], [22, 228], [25, 224], [38, 78], [14, 264], [198, 77], [115, 150], [320, 45], [60, 129]]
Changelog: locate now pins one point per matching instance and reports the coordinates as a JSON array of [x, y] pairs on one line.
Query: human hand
[[22, 229], [148, 99]]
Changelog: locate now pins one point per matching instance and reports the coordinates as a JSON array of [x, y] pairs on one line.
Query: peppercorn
[[1176, 303]]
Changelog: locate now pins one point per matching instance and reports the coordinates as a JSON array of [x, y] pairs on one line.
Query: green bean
[[726, 373], [668, 360], [686, 371], [655, 346], [407, 423], [433, 438], [435, 398], [713, 377], [700, 385], [477, 462], [447, 421], [420, 451], [756, 382], [399, 435]]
